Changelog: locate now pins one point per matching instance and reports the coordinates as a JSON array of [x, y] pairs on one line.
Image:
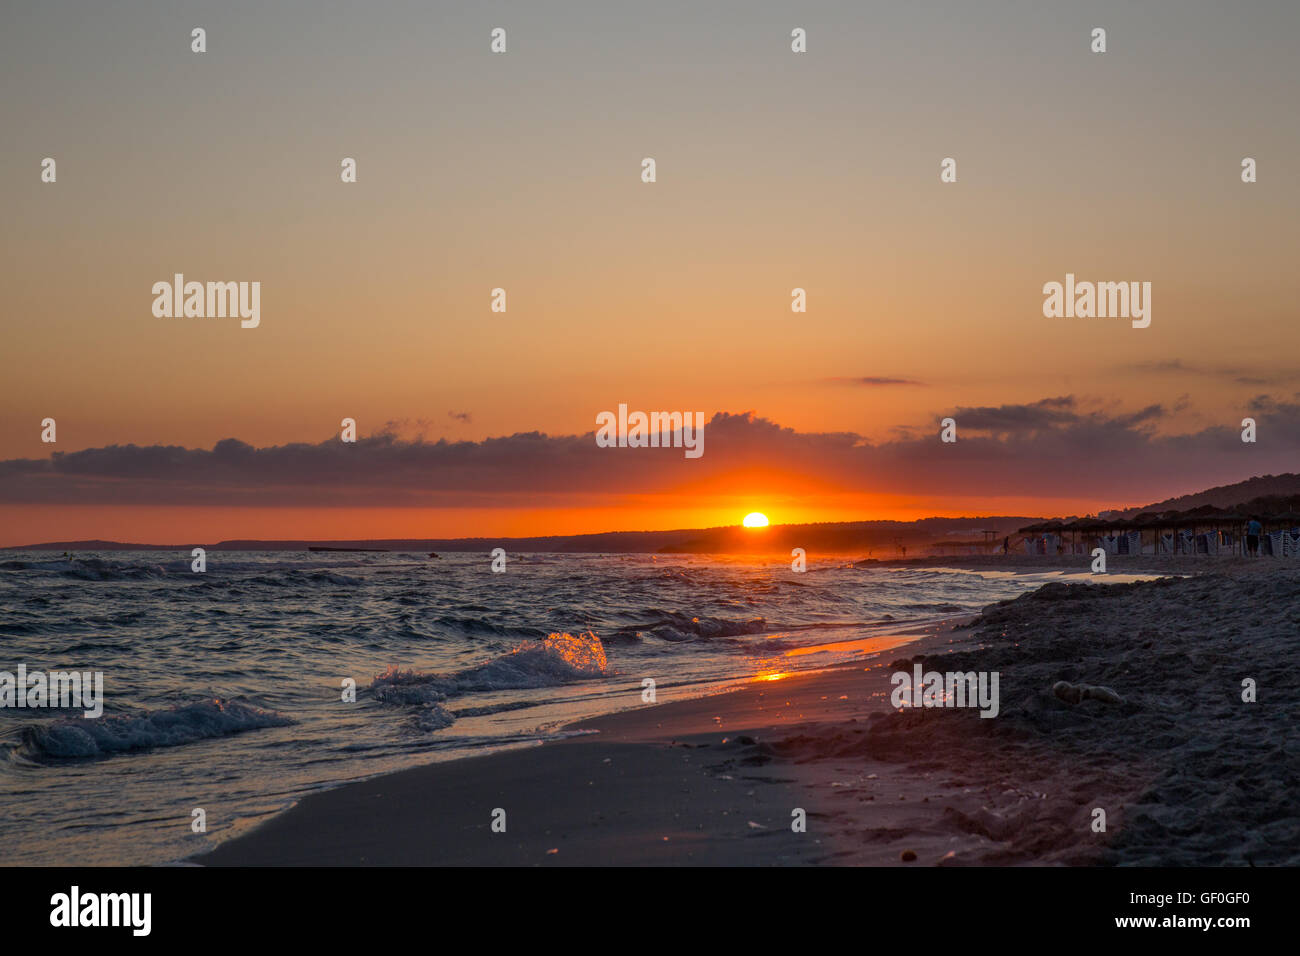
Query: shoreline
[[322, 827], [1185, 772]]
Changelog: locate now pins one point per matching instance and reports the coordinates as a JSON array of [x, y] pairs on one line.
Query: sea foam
[[82, 737]]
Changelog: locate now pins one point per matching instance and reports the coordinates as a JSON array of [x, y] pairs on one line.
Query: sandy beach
[[1186, 772]]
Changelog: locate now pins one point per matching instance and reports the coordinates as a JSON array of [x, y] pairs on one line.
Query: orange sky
[[522, 171], [162, 525]]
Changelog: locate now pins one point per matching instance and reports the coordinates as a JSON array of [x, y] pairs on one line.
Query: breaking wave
[[553, 660], [83, 737], [557, 659], [679, 628]]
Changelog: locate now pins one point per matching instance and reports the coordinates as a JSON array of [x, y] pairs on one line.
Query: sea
[[230, 693]]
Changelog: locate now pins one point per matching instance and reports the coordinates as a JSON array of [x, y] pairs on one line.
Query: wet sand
[[1185, 771]]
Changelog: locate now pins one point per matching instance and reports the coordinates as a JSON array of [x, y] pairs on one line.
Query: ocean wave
[[680, 628], [557, 659], [90, 569], [406, 687], [295, 578], [464, 626], [82, 737]]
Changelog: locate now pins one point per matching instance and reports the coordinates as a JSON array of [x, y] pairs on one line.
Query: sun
[[755, 519]]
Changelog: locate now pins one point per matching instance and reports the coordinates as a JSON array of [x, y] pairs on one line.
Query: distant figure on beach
[[1253, 530], [1006, 545]]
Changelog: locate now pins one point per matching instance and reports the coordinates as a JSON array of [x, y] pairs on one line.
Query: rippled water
[[223, 690]]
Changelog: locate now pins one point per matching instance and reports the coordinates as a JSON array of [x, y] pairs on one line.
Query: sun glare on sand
[[755, 520]]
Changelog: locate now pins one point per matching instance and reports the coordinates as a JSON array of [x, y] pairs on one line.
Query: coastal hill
[[1227, 496]]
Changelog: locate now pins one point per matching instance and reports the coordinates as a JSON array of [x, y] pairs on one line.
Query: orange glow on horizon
[[192, 525]]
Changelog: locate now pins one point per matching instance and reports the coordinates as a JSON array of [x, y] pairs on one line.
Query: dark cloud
[[1164, 365], [1051, 448], [873, 380], [1045, 413], [1255, 377]]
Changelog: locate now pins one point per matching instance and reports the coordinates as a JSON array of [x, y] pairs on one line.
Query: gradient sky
[[521, 170]]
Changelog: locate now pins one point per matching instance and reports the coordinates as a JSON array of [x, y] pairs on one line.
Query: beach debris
[[907, 856], [1075, 693]]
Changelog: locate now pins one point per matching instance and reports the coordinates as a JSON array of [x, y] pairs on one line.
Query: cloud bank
[[1052, 448]]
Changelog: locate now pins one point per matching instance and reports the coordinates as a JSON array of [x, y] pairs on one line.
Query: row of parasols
[[1204, 530]]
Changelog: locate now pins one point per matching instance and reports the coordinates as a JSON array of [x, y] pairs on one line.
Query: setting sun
[[755, 520]]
